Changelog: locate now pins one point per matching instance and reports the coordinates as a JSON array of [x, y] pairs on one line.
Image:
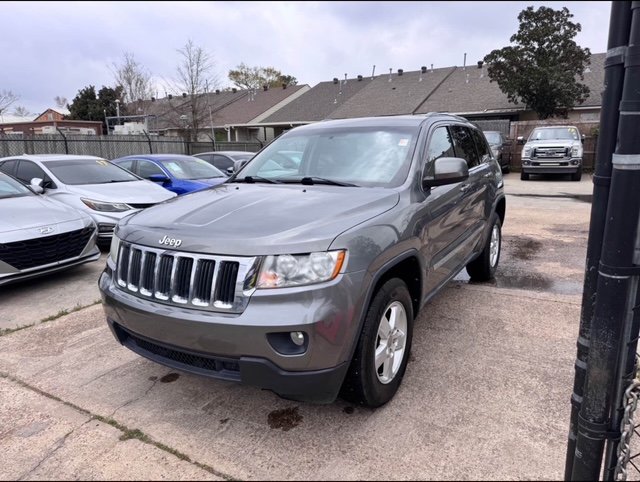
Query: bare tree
[[134, 79], [61, 102], [7, 98], [196, 77], [21, 111]]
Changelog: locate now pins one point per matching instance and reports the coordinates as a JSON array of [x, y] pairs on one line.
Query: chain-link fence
[[111, 147]]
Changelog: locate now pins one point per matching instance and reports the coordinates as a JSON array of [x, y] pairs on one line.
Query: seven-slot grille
[[553, 152], [45, 249], [178, 278]]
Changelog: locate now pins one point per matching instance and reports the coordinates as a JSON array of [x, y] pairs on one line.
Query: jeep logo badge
[[170, 241]]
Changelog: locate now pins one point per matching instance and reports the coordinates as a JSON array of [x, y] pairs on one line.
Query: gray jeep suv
[[305, 278]]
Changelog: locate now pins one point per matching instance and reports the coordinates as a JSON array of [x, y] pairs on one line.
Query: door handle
[[488, 174], [465, 187]]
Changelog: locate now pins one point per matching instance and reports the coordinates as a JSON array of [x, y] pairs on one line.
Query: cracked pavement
[[486, 393]]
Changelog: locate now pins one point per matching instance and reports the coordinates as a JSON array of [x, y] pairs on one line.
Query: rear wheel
[[382, 353], [483, 268], [524, 176]]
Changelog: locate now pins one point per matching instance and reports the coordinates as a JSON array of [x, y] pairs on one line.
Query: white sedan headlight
[[288, 270], [115, 245], [106, 206]]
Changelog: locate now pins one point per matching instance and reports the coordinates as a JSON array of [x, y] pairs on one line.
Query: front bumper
[[559, 166], [237, 347], [107, 222], [92, 255]]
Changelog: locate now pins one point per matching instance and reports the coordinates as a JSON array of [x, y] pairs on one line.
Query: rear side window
[[481, 145], [128, 164], [9, 167], [440, 145], [465, 145]]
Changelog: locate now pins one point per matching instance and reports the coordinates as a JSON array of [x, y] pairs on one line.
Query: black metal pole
[[629, 150], [616, 285], [619, 25]]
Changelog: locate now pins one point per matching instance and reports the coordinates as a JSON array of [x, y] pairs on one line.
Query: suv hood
[[136, 192], [258, 219], [34, 211]]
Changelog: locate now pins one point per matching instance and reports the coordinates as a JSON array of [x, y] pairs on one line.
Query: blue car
[[175, 172]]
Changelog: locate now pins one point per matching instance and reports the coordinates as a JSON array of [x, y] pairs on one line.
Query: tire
[[365, 384], [483, 268], [577, 176], [506, 169], [524, 176]]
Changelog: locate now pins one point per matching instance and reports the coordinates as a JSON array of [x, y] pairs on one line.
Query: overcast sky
[[56, 48]]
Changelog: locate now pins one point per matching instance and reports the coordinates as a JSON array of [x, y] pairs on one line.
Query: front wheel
[[577, 176], [483, 268], [524, 176], [382, 353]]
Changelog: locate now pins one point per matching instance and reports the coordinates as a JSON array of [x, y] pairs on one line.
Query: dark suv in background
[[501, 148], [304, 272]]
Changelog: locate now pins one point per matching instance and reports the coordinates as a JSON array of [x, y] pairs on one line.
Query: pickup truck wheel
[[483, 268], [577, 175], [524, 176], [381, 355]]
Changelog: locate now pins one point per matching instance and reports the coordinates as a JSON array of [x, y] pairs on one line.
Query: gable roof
[[393, 94], [470, 90], [245, 110], [319, 102]]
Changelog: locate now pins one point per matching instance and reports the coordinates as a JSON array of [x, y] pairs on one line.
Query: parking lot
[[485, 396]]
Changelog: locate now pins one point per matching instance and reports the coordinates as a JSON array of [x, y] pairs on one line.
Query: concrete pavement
[[485, 396]]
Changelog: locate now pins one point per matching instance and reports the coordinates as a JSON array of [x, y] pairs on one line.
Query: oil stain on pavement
[[286, 418], [169, 377]]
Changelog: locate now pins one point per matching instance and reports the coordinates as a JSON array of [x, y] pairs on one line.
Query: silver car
[[94, 185], [227, 161], [39, 235]]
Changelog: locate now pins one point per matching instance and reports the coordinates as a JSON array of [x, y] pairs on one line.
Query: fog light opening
[[297, 337]]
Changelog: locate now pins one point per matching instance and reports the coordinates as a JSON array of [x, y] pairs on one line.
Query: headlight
[[106, 207], [526, 151], [301, 269], [576, 151], [115, 245]]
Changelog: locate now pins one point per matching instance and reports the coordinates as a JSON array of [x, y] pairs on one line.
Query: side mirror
[[229, 171], [36, 185], [447, 170], [520, 139], [582, 138], [159, 178]]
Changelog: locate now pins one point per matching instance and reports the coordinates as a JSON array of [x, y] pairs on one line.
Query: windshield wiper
[[252, 179], [119, 180], [311, 180]]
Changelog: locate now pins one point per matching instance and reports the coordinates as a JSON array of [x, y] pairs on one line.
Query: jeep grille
[[208, 282]]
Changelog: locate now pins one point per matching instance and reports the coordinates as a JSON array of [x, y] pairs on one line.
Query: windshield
[[493, 138], [555, 133], [191, 168], [364, 156], [12, 188], [88, 171]]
